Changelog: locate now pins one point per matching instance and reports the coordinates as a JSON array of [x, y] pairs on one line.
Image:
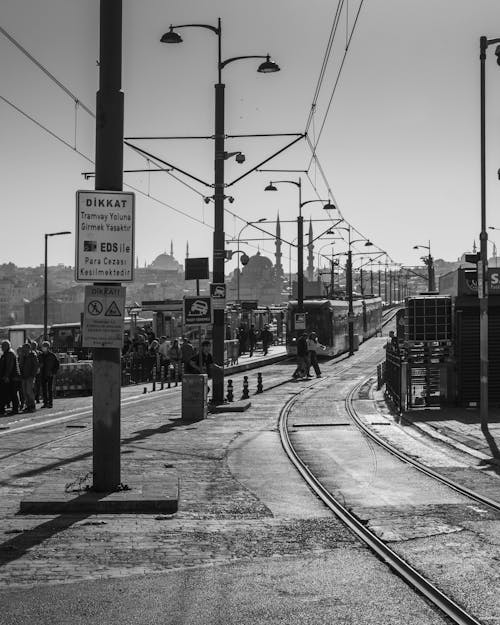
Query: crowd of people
[[308, 348], [26, 374], [248, 337], [146, 352]]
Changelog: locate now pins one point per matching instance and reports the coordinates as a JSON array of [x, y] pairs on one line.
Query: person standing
[[175, 357], [37, 384], [29, 368], [9, 378], [252, 339], [187, 353], [313, 346], [266, 337], [49, 366]]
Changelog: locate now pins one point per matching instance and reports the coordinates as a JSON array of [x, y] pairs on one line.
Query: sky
[[399, 147]]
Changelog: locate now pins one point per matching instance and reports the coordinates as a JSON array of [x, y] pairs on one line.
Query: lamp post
[[429, 261], [248, 223], [220, 155], [300, 235], [45, 282], [482, 267], [350, 313]]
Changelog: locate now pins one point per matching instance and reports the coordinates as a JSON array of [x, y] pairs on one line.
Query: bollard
[[245, 394], [154, 379], [230, 394], [162, 377], [259, 384]]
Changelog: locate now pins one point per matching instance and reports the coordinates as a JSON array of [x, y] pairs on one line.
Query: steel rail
[[412, 577], [401, 455]]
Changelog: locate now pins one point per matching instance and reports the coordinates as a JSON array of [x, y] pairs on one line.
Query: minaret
[[310, 254], [187, 249], [171, 248]]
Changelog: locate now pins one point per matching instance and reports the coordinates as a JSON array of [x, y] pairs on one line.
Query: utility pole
[[109, 177], [350, 312]]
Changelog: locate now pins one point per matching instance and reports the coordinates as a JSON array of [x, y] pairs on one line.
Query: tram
[[328, 318]]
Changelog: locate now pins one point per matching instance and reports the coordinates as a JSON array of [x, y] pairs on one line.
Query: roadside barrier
[[230, 394], [245, 394], [260, 388]]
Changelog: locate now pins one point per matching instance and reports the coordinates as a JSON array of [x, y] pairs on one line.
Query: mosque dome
[[166, 262]]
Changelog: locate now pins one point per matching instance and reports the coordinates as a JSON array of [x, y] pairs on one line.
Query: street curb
[[255, 364], [158, 494]]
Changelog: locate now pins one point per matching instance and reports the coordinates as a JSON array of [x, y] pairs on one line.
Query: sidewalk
[[238, 499], [459, 427]]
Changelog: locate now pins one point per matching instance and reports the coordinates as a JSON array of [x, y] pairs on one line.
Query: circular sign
[[95, 307]]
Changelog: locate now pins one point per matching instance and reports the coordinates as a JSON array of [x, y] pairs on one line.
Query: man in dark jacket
[[29, 368], [49, 365], [9, 378], [266, 337], [302, 357]]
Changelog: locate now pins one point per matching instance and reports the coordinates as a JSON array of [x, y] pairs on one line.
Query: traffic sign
[[218, 295], [103, 316], [197, 311], [300, 321], [196, 269], [104, 236]]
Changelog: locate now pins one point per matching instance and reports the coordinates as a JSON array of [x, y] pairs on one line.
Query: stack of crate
[[428, 341]]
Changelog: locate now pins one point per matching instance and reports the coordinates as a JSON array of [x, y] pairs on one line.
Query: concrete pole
[[109, 176]]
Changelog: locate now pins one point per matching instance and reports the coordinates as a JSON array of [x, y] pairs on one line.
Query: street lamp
[[350, 314], [248, 223], [300, 235], [45, 282], [220, 156], [429, 261]]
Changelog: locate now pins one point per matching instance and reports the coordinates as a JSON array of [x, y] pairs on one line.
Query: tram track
[[410, 575], [396, 563]]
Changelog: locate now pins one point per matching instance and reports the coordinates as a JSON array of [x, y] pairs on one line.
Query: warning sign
[[113, 310], [104, 236], [103, 316]]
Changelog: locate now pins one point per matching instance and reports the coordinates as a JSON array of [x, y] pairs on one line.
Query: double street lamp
[[429, 261], [300, 235], [220, 156], [45, 282]]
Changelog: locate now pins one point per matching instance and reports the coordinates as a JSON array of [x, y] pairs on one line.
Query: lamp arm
[[214, 29], [223, 64]]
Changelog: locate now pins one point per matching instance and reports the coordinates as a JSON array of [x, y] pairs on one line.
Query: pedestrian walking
[[242, 339], [313, 347], [29, 367], [9, 378], [49, 366], [266, 337], [302, 357]]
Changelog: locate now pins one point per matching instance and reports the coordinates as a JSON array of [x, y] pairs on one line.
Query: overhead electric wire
[[347, 47], [46, 72], [324, 65], [67, 144]]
